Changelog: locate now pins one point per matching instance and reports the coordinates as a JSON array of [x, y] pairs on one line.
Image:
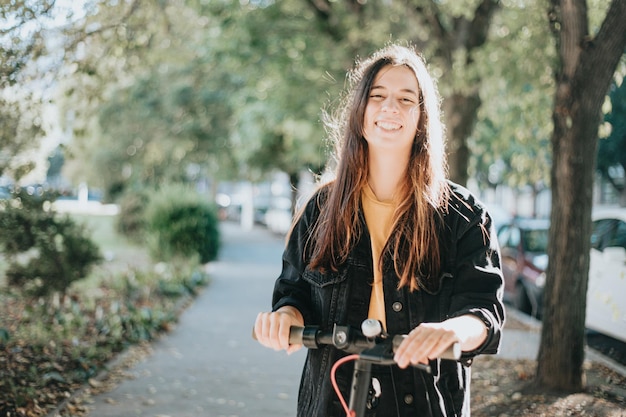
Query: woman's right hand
[[272, 329]]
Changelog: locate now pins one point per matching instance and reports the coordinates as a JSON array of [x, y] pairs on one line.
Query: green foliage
[[50, 349], [56, 349], [45, 252], [4, 335], [272, 67], [131, 221], [21, 43], [611, 162], [157, 108], [132, 323], [20, 36], [510, 144], [182, 223], [21, 128], [161, 125], [268, 67], [231, 89]]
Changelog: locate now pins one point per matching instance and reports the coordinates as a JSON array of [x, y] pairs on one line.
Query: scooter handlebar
[[343, 337]]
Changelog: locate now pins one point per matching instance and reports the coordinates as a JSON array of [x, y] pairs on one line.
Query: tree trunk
[[461, 113], [460, 108], [582, 79], [294, 179]]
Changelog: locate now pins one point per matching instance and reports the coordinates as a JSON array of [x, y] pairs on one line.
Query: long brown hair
[[413, 243]]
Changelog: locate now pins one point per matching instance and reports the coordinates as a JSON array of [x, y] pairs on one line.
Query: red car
[[524, 247]]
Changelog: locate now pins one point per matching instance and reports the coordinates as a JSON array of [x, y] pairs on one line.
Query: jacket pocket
[[321, 280], [326, 291]]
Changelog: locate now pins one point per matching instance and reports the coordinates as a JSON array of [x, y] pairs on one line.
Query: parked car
[[606, 293], [524, 246]]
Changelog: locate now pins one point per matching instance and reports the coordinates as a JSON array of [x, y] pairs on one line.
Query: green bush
[[182, 223], [51, 349], [131, 221], [45, 252]]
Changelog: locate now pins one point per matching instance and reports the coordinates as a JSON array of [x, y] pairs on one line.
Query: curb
[[595, 356], [590, 353]]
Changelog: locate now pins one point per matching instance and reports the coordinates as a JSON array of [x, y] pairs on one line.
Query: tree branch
[[599, 56], [432, 16], [606, 37], [134, 6], [479, 27], [323, 10]]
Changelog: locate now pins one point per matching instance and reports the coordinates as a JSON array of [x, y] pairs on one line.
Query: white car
[[606, 294]]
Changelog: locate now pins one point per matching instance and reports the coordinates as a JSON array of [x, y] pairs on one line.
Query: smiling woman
[[392, 240]]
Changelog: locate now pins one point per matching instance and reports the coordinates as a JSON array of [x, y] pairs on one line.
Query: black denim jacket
[[471, 283]]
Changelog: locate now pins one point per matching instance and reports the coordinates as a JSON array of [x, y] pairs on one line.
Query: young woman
[[391, 238]]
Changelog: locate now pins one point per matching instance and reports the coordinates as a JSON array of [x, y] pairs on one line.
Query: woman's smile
[[388, 125]]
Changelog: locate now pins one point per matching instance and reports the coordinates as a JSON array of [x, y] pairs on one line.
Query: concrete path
[[209, 365], [520, 344]]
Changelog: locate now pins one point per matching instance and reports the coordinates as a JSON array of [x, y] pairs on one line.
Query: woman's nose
[[390, 104]]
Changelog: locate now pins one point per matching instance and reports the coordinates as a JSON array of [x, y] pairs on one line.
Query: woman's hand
[[272, 329], [429, 340]]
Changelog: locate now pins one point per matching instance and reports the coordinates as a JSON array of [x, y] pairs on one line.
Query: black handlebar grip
[[295, 335], [298, 335]]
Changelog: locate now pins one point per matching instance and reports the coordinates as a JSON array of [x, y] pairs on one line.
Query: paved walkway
[[209, 365]]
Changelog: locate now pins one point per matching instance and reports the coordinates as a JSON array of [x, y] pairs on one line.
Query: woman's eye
[[408, 100]]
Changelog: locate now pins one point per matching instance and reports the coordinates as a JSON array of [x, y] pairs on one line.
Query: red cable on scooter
[[349, 413]]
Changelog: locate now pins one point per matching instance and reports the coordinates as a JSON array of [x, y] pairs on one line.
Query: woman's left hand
[[430, 340], [426, 341]]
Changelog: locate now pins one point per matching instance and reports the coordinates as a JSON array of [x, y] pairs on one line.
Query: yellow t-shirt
[[379, 217]]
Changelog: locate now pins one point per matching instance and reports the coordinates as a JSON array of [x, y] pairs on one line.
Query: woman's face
[[392, 110]]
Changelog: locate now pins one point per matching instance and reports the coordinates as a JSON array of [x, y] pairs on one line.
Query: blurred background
[[104, 104], [116, 96]]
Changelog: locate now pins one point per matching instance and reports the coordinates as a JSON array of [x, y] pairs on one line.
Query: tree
[[20, 36], [155, 129], [583, 74], [510, 144], [277, 50], [118, 48], [276, 65], [21, 43], [290, 63], [279, 113], [21, 126]]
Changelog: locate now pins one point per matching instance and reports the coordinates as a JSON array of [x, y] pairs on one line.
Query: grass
[[118, 251], [102, 229]]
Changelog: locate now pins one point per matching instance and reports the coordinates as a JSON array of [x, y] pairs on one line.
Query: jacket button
[[408, 399], [397, 306]]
